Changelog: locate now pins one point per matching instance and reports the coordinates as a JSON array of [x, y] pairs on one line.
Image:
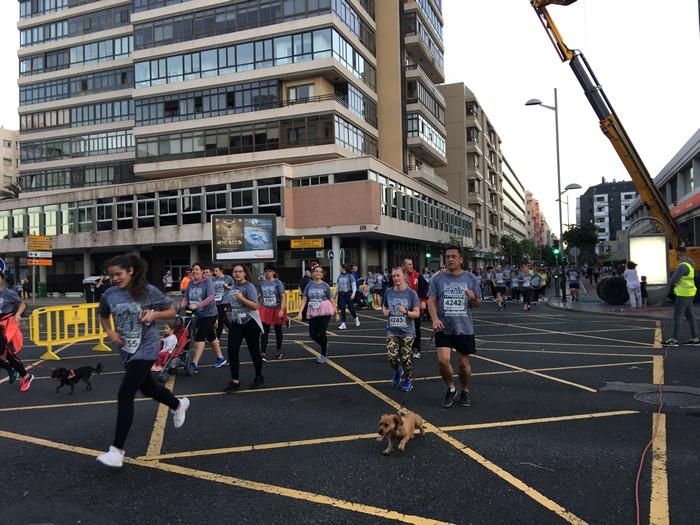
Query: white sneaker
[[112, 458], [179, 413], [342, 326], [357, 321]]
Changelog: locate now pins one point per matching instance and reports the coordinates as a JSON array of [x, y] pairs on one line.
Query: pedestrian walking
[[168, 282], [134, 305], [346, 288], [452, 295], [321, 305], [377, 290], [574, 284], [683, 286], [11, 310], [418, 284], [499, 287], [222, 286], [400, 306], [185, 282], [244, 323], [199, 297], [273, 311], [643, 287], [634, 286]]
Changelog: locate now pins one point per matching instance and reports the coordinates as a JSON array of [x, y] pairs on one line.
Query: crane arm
[[609, 122]]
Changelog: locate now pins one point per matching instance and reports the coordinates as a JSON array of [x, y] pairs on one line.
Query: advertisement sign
[[244, 238], [650, 252]]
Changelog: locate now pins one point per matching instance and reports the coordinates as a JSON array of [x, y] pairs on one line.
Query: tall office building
[[140, 119], [605, 205], [474, 172], [9, 155]]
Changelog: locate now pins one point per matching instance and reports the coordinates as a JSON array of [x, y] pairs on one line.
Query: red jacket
[[11, 333], [418, 284]]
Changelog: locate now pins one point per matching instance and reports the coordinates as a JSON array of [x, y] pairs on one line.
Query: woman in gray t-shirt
[[11, 309], [134, 306]]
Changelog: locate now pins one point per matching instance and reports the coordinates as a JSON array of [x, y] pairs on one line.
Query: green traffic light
[[427, 255], [555, 251]]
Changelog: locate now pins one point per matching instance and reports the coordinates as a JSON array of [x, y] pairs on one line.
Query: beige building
[[9, 153], [475, 171], [138, 116]]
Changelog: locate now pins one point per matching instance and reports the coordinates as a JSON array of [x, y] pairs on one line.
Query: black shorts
[[205, 329], [464, 344], [501, 289], [573, 286]]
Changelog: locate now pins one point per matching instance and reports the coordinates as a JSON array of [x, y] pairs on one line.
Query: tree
[[510, 249], [584, 237], [12, 191], [529, 249]]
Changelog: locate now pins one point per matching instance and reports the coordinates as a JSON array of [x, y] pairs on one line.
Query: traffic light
[[555, 248], [427, 254]]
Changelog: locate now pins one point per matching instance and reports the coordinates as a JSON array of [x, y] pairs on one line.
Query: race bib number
[[131, 344], [270, 301], [397, 321], [314, 305], [454, 305], [218, 297], [194, 305]]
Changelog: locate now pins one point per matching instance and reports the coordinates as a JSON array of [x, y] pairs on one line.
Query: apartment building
[[534, 219], [474, 172], [606, 205], [142, 118], [9, 153], [514, 204]]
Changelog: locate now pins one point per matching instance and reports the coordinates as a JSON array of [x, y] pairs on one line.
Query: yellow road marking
[[323, 385], [155, 444], [237, 482], [657, 335], [659, 510], [567, 333], [354, 437], [506, 476], [658, 370], [538, 374]]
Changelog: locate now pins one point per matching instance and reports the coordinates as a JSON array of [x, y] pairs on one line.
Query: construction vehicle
[[614, 290]]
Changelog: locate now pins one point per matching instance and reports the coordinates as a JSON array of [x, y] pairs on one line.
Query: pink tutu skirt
[[325, 308]]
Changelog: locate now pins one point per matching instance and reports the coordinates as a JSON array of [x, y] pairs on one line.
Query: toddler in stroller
[[175, 350]]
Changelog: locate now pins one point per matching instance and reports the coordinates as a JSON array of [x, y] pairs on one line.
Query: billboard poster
[[244, 238]]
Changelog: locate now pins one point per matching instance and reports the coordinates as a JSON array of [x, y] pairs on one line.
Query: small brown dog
[[399, 427]]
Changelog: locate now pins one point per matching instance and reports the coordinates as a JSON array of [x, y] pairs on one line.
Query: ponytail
[[131, 261]]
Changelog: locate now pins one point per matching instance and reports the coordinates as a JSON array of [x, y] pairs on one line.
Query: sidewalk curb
[[617, 314]]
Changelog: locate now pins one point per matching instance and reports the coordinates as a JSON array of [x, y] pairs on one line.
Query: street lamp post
[[555, 108]]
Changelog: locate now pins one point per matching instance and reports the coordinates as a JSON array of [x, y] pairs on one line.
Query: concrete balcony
[[424, 150], [415, 72], [427, 177], [422, 55]]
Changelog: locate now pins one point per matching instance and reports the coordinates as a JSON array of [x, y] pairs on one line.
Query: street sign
[[39, 262], [303, 254], [40, 255], [319, 254], [574, 251], [331, 254], [306, 244], [39, 242]]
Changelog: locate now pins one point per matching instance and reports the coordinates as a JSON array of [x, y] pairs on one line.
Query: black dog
[[70, 376]]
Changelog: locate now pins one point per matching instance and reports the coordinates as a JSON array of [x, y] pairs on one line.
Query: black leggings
[[222, 320], [138, 377], [8, 359], [317, 332], [266, 334], [249, 331]]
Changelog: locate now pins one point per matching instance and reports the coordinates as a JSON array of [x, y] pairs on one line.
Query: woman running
[[244, 323], [11, 309], [134, 305], [321, 306], [273, 311], [200, 298]]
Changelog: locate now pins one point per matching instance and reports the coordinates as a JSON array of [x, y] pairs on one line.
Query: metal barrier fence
[[53, 326]]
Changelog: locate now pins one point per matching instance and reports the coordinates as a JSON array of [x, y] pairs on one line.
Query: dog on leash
[[400, 427], [70, 376]]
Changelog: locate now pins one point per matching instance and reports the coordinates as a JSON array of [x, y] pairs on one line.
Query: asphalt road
[[554, 434]]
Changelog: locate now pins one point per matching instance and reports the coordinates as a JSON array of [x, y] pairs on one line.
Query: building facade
[[679, 182], [514, 204], [9, 153], [534, 219], [474, 171], [606, 205], [142, 118]]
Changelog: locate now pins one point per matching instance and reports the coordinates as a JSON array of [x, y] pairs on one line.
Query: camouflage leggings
[[399, 351]]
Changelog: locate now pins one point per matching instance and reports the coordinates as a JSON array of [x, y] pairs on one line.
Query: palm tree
[[12, 191]]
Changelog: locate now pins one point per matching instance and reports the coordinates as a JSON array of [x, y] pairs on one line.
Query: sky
[[645, 56]]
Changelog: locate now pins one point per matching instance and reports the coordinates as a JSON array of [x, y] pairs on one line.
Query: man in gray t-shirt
[[452, 295]]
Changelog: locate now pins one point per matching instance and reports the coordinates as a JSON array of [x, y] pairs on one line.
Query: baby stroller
[[181, 357]]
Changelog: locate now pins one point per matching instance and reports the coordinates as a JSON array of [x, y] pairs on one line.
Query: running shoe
[[179, 412], [670, 342], [321, 360], [396, 380], [449, 397], [26, 382], [694, 341], [464, 399], [232, 387], [112, 458], [279, 355], [257, 382], [342, 326], [416, 354], [407, 385], [194, 369], [221, 361], [357, 321], [13, 375], [263, 356]]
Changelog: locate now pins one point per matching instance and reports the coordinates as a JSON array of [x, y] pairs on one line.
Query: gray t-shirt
[[453, 305], [239, 312], [272, 292], [196, 293], [398, 324], [316, 293], [141, 342], [219, 289], [9, 300], [345, 283]]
